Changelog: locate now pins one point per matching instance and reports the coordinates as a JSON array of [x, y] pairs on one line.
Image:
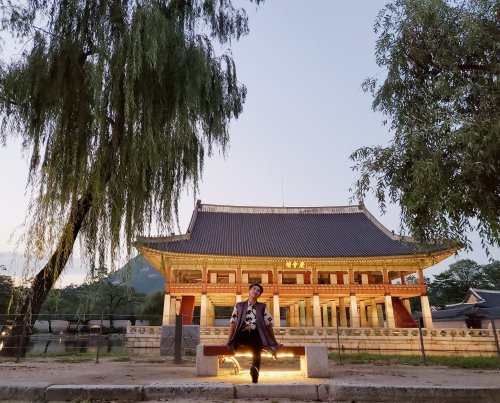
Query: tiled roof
[[284, 232], [488, 306], [490, 298]]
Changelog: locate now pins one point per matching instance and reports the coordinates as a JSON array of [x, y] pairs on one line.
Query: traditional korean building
[[320, 266]]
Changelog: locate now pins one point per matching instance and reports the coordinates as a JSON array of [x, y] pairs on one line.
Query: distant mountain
[[140, 275]]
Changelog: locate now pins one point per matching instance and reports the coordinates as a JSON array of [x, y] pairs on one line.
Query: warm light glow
[[280, 376], [267, 355]]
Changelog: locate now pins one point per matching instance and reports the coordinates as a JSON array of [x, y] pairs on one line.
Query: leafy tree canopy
[[451, 286], [152, 308], [116, 102], [492, 275], [6, 297], [441, 95]]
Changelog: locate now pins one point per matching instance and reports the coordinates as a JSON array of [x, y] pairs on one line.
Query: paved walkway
[[47, 380]]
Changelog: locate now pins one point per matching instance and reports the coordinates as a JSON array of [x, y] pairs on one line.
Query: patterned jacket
[[268, 340]]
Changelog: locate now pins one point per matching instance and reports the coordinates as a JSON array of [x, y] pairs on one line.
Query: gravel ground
[[146, 371]]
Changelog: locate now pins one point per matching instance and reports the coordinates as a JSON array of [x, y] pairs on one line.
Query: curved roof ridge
[[384, 229], [484, 290], [217, 208]]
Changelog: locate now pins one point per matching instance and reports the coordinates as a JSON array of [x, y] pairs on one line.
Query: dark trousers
[[249, 341]]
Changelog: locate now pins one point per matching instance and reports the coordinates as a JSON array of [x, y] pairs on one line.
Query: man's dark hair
[[256, 285]]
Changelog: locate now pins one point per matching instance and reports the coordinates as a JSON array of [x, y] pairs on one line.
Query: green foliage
[[152, 308], [102, 297], [6, 297], [441, 96], [457, 361], [451, 286], [492, 275], [117, 103]]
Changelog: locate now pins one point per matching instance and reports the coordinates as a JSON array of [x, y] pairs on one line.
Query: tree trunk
[[46, 278], [44, 281]]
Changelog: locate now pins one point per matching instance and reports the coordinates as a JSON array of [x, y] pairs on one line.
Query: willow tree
[[441, 96], [116, 102]]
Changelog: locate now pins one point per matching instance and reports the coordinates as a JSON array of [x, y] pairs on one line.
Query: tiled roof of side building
[[491, 298], [285, 232]]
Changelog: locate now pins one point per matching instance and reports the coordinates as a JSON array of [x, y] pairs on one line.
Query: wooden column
[[173, 310], [166, 310], [168, 275], [309, 312], [387, 282], [389, 312], [353, 311], [211, 313], [334, 313], [374, 312], [296, 315], [238, 282], [362, 314], [314, 280], [351, 283], [204, 278], [343, 315], [426, 312], [275, 280], [380, 315], [276, 310], [369, 322], [203, 310], [166, 299], [302, 313], [316, 311], [325, 315]]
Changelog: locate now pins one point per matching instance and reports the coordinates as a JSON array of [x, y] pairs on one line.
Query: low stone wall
[[352, 340], [143, 336]]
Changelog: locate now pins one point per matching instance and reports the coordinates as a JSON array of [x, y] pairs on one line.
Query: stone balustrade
[[352, 340]]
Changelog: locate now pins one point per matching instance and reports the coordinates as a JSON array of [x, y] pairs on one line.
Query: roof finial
[[282, 193]]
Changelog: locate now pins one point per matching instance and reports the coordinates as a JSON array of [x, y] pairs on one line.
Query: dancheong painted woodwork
[[319, 266]]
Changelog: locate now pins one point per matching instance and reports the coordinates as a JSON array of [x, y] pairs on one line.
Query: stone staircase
[[402, 317], [187, 309]]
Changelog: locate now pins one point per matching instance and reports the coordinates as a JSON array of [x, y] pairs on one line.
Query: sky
[[303, 64]]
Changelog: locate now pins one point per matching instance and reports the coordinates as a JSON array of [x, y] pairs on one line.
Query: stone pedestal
[[315, 362], [206, 365]]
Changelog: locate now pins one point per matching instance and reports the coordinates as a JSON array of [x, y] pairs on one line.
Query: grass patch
[[74, 359], [466, 362], [59, 354], [123, 358], [470, 362], [77, 356]]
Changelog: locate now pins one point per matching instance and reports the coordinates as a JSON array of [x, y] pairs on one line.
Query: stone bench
[[313, 359]]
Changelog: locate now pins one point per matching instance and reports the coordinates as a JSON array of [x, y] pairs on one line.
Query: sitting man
[[251, 327]]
